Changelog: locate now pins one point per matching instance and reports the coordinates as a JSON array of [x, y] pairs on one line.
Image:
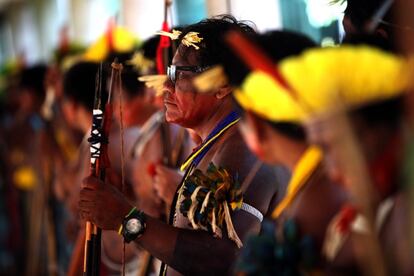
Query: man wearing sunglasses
[[212, 117]]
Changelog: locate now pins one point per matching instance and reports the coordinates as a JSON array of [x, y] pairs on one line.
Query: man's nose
[[168, 87]]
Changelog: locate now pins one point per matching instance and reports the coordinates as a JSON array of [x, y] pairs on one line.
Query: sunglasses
[[173, 69]]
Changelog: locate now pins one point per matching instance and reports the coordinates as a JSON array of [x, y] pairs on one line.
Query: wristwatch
[[133, 225]]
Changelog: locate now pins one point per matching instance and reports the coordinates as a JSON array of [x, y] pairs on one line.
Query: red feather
[[164, 44]]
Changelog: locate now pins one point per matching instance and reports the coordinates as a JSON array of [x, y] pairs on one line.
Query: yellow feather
[[351, 75], [210, 79], [155, 81]]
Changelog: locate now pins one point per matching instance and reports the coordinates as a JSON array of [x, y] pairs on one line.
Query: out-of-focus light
[[328, 42], [322, 13]]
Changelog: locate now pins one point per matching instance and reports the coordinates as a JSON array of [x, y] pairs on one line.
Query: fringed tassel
[[205, 202], [193, 207], [216, 230], [231, 232]]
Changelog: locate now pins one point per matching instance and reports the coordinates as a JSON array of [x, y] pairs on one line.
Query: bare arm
[[195, 252], [186, 251]]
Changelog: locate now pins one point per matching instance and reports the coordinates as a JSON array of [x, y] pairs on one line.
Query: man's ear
[[223, 92]]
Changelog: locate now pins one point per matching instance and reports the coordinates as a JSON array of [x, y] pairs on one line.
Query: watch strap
[[133, 214]]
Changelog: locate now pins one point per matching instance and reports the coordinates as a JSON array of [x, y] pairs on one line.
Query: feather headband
[[190, 39]]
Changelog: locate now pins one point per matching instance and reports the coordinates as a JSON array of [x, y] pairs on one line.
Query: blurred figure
[[166, 180], [364, 159], [60, 143], [375, 17], [77, 105], [10, 236], [160, 147], [376, 116], [79, 88], [27, 173], [274, 131]]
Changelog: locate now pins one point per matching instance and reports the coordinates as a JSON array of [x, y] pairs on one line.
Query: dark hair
[[278, 45], [290, 130], [79, 83], [281, 44], [361, 11], [212, 48], [382, 113], [132, 87], [33, 78], [130, 84], [121, 57], [149, 47], [371, 40]]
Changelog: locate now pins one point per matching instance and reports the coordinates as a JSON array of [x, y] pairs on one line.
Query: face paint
[[183, 105]]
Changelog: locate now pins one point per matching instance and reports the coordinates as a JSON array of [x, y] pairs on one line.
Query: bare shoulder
[[260, 180]]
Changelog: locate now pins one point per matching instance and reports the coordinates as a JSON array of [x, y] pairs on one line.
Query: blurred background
[[30, 29], [38, 223]]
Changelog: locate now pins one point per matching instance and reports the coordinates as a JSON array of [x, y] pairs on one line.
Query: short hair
[[130, 84], [33, 79], [374, 39], [79, 83], [149, 47], [276, 44], [281, 44], [212, 48]]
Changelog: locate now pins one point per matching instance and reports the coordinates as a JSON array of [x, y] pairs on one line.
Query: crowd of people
[[225, 151]]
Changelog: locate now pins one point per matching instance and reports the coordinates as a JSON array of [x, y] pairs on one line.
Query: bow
[[101, 125]]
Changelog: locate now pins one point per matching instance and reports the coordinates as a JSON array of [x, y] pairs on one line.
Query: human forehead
[[185, 56]]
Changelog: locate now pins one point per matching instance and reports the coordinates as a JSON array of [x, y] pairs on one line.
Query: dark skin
[[259, 194], [374, 139], [275, 147], [188, 251], [80, 117]]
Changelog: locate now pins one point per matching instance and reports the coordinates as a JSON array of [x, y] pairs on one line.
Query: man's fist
[[102, 204]]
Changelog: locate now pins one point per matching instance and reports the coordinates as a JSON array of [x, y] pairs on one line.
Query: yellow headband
[[352, 75], [261, 94]]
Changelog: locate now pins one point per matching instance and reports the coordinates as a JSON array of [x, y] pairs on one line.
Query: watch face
[[133, 226]]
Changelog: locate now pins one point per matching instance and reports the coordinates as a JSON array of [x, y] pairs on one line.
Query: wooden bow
[[101, 125]]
